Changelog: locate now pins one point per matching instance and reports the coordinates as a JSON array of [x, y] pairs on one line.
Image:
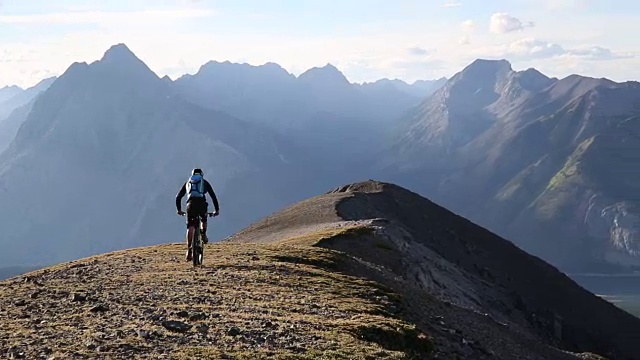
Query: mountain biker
[[196, 189]]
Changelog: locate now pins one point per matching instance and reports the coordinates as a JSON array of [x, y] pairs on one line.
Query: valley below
[[622, 290]]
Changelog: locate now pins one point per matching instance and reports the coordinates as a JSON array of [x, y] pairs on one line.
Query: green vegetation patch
[[564, 185], [570, 170]]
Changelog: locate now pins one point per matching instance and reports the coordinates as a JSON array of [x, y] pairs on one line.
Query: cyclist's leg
[[191, 224], [203, 216]]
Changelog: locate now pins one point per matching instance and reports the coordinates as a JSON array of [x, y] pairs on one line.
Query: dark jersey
[[207, 188]]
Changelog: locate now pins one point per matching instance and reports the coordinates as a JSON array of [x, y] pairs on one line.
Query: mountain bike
[[197, 245]]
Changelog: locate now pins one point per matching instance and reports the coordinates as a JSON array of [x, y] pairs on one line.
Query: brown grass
[[287, 301], [313, 239]]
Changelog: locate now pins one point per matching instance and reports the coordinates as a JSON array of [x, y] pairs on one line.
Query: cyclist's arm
[[212, 194], [181, 193]]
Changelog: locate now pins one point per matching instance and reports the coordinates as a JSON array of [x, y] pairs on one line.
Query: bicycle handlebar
[[210, 214]]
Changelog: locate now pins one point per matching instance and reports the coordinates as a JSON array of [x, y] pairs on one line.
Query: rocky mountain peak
[[533, 80], [481, 68], [120, 63], [119, 53], [327, 74]]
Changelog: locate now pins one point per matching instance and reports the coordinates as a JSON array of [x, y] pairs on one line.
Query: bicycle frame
[[197, 246]]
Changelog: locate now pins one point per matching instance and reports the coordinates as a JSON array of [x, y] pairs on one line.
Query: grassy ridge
[[280, 301]]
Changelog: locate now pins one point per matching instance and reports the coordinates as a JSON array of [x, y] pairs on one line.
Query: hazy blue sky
[[367, 40]]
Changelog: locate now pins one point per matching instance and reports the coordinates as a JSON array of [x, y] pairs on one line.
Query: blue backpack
[[195, 186]]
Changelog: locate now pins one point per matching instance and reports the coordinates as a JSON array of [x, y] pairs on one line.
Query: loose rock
[[176, 326], [234, 331]]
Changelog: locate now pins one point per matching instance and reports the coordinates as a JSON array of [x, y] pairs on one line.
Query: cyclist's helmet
[[197, 171]]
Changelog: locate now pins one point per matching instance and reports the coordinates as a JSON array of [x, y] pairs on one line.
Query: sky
[[365, 39]]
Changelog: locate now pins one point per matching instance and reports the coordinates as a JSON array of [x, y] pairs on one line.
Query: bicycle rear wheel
[[196, 248]]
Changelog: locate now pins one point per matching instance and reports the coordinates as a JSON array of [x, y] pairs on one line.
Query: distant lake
[[623, 290]]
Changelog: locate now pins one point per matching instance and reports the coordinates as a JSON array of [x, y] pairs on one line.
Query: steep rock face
[[104, 150], [423, 250], [591, 195], [497, 146], [618, 225]]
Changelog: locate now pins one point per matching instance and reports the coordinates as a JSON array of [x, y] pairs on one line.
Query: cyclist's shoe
[[205, 239], [189, 257]]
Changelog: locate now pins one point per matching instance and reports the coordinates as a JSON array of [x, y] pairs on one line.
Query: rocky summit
[[366, 271]]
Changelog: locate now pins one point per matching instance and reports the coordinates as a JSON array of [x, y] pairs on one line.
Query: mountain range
[[544, 162], [549, 163], [319, 109], [105, 148]]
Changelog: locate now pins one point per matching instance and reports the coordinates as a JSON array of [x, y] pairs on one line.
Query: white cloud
[[598, 53], [468, 26], [502, 23], [101, 17], [418, 51], [529, 48]]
